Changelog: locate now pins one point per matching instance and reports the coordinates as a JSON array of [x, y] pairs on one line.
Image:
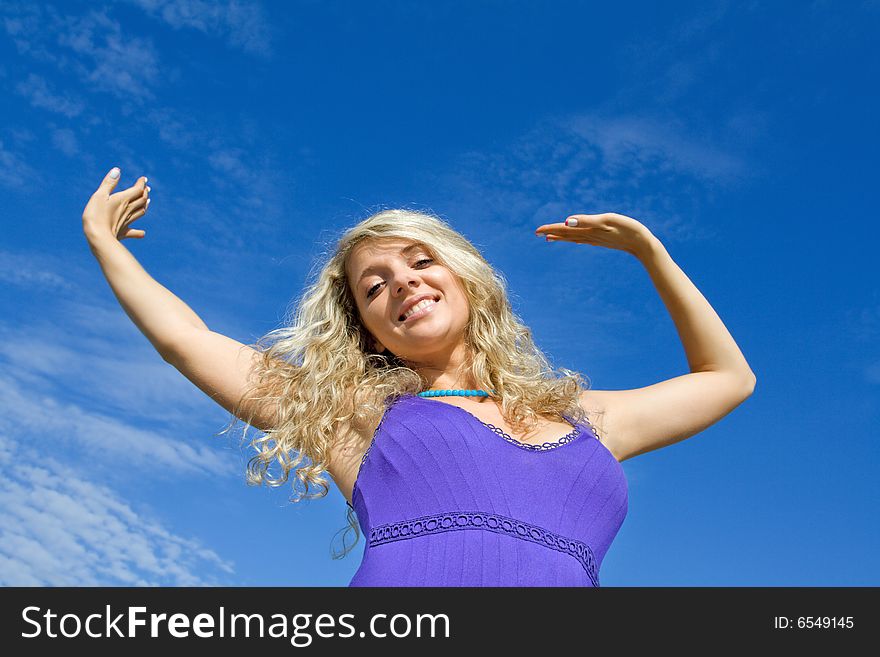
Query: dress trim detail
[[444, 522], [567, 438]]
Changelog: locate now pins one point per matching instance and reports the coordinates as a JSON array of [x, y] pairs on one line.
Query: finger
[[135, 232], [547, 228], [137, 214], [138, 203], [110, 180], [573, 236], [135, 190], [585, 220], [562, 231]]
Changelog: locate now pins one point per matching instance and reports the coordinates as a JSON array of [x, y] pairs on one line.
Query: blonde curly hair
[[321, 371]]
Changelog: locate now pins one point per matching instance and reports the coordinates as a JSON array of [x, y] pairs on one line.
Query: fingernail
[[114, 173], [148, 189], [148, 201], [571, 221]]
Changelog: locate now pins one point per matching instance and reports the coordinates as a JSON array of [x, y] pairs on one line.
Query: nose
[[406, 278]]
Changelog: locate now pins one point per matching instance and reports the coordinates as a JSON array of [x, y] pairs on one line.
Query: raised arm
[[216, 364], [645, 419]]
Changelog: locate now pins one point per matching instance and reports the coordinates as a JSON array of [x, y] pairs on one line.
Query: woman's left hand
[[611, 230]]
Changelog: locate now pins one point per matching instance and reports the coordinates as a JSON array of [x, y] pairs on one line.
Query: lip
[[409, 303], [414, 301]]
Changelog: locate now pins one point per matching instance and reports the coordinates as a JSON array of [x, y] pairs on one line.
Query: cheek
[[460, 307], [364, 314], [375, 317]]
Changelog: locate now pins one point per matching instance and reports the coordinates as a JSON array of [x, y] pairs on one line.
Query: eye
[[373, 289]]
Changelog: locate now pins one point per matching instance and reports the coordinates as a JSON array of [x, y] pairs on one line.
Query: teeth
[[419, 306]]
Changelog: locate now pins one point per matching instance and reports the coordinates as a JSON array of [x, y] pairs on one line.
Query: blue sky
[[740, 133]]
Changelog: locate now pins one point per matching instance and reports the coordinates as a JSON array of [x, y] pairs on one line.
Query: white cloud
[[860, 325], [80, 385], [679, 55], [27, 271], [174, 127], [630, 142], [108, 441], [242, 24], [85, 376], [123, 64], [57, 528], [231, 187], [64, 140], [26, 24], [228, 161], [93, 46], [107, 55], [21, 135], [587, 163], [38, 92], [14, 171]]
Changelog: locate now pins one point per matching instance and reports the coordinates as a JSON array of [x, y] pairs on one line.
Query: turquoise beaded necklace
[[455, 393]]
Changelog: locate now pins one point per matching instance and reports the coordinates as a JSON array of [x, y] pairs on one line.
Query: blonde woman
[[465, 459]]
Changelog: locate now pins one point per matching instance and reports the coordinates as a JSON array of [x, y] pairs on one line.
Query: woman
[[406, 376]]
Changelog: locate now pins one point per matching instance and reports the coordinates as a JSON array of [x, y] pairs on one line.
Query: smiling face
[[385, 277]]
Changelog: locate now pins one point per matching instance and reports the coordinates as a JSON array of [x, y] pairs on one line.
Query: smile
[[419, 310]]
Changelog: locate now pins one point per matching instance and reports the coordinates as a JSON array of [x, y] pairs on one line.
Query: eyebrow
[[412, 247]]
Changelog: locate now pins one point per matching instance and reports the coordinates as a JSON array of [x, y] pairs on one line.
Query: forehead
[[367, 253]]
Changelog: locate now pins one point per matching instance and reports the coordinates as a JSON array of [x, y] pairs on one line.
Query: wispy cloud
[[38, 92], [235, 194], [228, 162], [58, 528], [100, 438], [93, 46], [26, 271], [26, 25], [655, 64], [121, 63], [629, 143], [177, 129], [87, 377], [677, 64], [861, 326], [96, 53], [14, 171], [65, 141], [80, 386], [591, 163], [862, 323], [241, 24]]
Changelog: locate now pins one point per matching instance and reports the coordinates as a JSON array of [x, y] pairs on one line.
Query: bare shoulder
[[601, 409]]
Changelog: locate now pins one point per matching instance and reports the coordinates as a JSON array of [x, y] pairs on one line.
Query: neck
[[450, 382], [447, 371]]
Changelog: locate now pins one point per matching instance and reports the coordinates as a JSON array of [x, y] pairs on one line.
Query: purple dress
[[445, 499]]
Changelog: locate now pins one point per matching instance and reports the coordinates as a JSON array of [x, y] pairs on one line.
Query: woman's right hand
[[111, 214]]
